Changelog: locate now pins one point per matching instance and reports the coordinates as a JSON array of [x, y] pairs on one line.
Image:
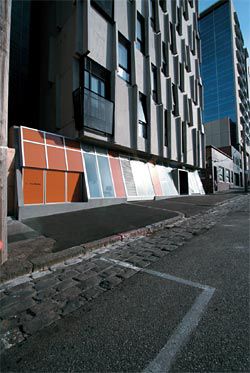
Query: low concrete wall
[[32, 211]]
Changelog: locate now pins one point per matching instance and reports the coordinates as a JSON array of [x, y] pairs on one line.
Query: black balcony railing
[[97, 112], [93, 111]]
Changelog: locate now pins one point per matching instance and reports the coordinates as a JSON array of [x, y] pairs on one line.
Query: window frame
[[96, 4], [142, 99], [140, 43], [154, 83], [126, 44]]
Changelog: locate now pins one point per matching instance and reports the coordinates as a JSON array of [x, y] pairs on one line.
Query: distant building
[[123, 79], [226, 114]]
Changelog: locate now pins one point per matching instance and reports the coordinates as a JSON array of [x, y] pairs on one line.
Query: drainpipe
[[5, 19]]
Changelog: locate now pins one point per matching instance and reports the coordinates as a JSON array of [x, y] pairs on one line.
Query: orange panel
[[74, 160], [155, 179], [33, 135], [73, 144], [55, 186], [74, 187], [54, 140], [56, 158], [34, 155], [117, 177], [32, 186]]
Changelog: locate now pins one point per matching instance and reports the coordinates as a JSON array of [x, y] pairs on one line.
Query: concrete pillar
[[5, 19]]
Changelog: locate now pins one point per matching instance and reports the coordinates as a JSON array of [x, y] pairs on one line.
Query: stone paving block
[[17, 308], [67, 294], [40, 322], [85, 275], [68, 273], [40, 308], [72, 305], [11, 338], [89, 282], [93, 293], [46, 283], [110, 282], [45, 294], [67, 283], [127, 273]]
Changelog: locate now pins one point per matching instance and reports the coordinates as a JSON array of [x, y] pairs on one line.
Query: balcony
[[93, 112]]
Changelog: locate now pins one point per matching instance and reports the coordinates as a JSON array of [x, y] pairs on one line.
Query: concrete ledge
[[33, 211]]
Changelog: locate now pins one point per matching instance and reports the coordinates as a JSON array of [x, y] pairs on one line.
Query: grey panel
[[128, 177]]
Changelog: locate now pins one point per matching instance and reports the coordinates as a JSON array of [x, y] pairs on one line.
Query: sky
[[242, 8]]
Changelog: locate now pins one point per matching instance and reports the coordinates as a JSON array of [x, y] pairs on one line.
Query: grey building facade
[[123, 78]]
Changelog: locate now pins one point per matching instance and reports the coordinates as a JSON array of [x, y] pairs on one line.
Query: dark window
[[142, 116], [188, 61], [172, 39], [164, 68], [124, 59], [154, 82], [163, 5], [105, 7], [183, 137], [152, 14], [140, 33], [175, 100], [179, 21], [185, 9], [167, 118], [182, 77], [96, 78]]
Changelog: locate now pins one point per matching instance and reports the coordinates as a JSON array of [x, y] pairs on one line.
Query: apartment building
[[119, 97], [224, 73]]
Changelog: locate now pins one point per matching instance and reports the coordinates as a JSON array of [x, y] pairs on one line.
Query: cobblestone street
[[33, 302]]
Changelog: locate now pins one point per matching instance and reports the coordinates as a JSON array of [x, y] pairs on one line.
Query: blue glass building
[[224, 69], [217, 68]]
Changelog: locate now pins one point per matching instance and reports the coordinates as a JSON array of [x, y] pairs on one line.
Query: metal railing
[[97, 112]]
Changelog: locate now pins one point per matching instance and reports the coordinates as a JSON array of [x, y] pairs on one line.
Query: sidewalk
[[40, 242]]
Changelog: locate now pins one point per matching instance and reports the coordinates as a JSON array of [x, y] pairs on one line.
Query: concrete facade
[[74, 31], [121, 77]]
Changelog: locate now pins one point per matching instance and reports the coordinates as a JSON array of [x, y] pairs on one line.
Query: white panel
[[142, 178], [199, 183], [192, 184], [166, 180]]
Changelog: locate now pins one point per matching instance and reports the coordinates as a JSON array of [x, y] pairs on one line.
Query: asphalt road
[[125, 329]]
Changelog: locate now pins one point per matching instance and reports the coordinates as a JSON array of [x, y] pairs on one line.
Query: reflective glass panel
[[92, 174], [107, 185]]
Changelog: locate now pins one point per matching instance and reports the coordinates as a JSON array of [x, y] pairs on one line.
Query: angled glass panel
[[93, 177], [107, 184]]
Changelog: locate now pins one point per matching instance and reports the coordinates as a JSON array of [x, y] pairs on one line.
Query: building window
[[175, 100], [140, 33], [124, 70], [221, 173], [185, 9], [167, 115], [152, 14], [165, 64], [104, 7], [183, 137], [227, 173], [172, 39], [232, 177], [182, 77], [154, 83], [96, 78], [142, 116], [179, 21], [162, 4]]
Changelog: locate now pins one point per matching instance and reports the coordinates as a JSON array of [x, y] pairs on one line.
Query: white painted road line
[[158, 274], [166, 356]]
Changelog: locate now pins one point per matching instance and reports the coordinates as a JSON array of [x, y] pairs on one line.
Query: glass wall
[[217, 65]]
